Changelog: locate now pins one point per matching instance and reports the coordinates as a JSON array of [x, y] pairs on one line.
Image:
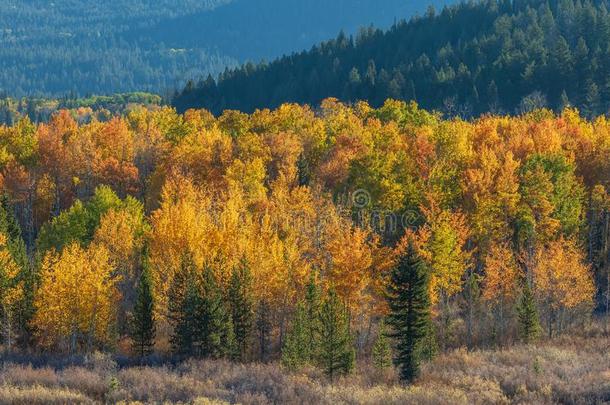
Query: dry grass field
[[567, 371]]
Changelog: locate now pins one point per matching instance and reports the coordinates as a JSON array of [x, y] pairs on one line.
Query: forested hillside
[[484, 56], [235, 236], [84, 47], [265, 29], [61, 47], [101, 108]]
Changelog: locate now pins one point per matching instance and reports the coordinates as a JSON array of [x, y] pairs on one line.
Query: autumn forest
[[279, 202], [419, 215]]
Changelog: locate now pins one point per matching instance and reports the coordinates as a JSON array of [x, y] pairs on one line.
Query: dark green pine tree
[[143, 326], [241, 305], [564, 101], [184, 302], [230, 347], [312, 317], [214, 321], [409, 318], [592, 101], [529, 323], [24, 310], [263, 329], [185, 315], [295, 351], [336, 353], [382, 351]]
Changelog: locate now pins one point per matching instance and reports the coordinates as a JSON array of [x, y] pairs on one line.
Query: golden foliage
[[561, 276], [77, 300]]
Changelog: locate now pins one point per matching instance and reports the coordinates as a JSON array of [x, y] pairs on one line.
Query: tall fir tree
[[214, 321], [181, 304], [295, 351], [143, 326], [564, 101], [230, 348], [24, 308], [382, 350], [336, 352], [263, 329], [529, 323], [591, 100], [241, 305], [185, 338], [312, 316], [409, 302], [301, 344]]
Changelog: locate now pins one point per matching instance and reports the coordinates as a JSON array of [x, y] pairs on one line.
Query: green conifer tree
[[185, 315], [230, 347], [263, 328], [241, 305], [529, 323], [295, 352], [143, 326], [213, 320], [564, 101], [409, 318], [592, 101], [182, 304], [23, 311], [382, 351], [312, 317], [336, 353]]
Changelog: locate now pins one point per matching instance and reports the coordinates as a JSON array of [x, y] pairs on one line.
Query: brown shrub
[[569, 371], [40, 395]]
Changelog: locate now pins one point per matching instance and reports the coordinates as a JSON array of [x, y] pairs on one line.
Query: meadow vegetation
[[572, 370]]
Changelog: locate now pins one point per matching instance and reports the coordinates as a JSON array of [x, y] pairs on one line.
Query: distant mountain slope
[[52, 48], [494, 55], [257, 29]]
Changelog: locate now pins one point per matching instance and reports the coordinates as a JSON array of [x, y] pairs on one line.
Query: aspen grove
[[226, 227]]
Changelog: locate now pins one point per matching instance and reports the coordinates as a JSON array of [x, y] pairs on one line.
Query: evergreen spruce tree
[[409, 318], [143, 319], [213, 320], [230, 348], [429, 345], [185, 339], [241, 307], [529, 324], [592, 101], [295, 352], [382, 351], [312, 317], [183, 305], [24, 309], [564, 101], [263, 328], [336, 353]]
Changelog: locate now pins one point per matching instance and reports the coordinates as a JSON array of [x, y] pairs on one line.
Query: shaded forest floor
[[568, 370]]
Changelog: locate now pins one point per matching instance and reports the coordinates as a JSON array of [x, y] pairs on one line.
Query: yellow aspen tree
[[500, 282], [562, 279], [442, 244], [77, 299], [11, 290], [178, 228], [121, 232]]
